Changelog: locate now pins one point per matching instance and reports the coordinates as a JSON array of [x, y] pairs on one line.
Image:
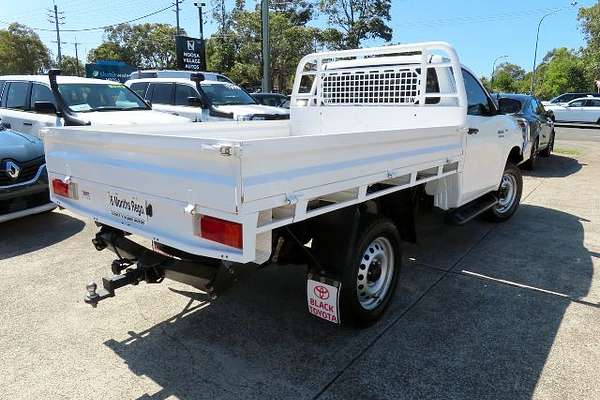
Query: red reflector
[[218, 230], [60, 188]]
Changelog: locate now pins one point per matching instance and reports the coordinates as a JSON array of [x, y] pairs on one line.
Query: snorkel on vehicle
[[62, 110], [212, 111]]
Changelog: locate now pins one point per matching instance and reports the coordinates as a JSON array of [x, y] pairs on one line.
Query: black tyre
[[509, 195], [529, 165], [370, 277], [547, 152]]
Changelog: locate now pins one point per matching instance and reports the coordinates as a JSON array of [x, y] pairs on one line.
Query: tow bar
[[137, 263]]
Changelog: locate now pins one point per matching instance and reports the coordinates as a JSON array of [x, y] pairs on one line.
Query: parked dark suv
[[23, 176], [534, 120]]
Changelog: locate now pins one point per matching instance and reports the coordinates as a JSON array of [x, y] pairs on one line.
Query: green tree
[[357, 20], [22, 51], [71, 66], [589, 19], [507, 78], [238, 52], [143, 45], [564, 72], [109, 51]]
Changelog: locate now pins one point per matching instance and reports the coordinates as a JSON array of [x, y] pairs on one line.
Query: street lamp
[[537, 38], [200, 21], [494, 71], [201, 26]]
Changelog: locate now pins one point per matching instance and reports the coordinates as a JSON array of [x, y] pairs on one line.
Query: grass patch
[[567, 152]]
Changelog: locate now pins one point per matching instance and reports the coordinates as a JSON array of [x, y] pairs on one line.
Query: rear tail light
[[524, 125], [64, 189], [221, 231]]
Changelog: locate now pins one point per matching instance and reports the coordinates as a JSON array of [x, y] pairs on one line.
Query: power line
[[98, 28]]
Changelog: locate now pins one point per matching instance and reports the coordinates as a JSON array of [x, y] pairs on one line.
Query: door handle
[[473, 131], [28, 123]]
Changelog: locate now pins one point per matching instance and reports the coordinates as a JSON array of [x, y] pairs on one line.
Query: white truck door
[[484, 126]]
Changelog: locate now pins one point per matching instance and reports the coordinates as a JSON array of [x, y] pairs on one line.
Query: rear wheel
[[530, 164], [509, 195], [548, 150], [370, 277]]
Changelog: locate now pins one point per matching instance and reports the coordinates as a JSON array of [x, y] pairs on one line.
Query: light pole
[[200, 21], [201, 26], [266, 59], [537, 38], [494, 71]]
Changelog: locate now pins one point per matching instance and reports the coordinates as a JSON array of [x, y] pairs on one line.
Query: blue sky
[[481, 30]]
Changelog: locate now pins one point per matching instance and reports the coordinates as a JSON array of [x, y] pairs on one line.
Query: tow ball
[[109, 285]]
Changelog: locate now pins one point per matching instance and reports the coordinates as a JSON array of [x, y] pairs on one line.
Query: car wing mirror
[[197, 102], [44, 107]]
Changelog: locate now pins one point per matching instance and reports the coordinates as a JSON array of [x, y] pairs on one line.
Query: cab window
[[479, 103], [140, 88], [162, 93], [182, 92], [40, 93], [16, 95]]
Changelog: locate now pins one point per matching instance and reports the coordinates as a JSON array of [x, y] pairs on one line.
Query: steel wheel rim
[[507, 193], [375, 273]]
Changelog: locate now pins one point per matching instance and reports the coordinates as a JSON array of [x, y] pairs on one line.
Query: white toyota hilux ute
[[372, 131], [27, 103]]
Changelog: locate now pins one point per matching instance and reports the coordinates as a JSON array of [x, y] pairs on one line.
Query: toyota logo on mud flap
[[12, 170], [321, 292]]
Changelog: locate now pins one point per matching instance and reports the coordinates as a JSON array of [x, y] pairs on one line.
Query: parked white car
[[584, 110], [372, 131], [564, 98], [203, 100], [170, 73], [28, 105]]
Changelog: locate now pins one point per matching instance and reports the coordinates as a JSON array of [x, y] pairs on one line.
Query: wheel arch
[[515, 155]]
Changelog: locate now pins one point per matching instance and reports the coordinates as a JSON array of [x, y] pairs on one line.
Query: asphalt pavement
[[483, 311]]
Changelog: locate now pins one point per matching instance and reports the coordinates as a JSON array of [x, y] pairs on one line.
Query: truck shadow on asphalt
[[558, 166], [475, 316], [35, 232]]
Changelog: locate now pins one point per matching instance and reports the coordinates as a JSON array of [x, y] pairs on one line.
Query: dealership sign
[[111, 70], [190, 54]]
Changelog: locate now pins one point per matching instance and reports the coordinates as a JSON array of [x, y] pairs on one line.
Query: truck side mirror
[[197, 102], [44, 107]]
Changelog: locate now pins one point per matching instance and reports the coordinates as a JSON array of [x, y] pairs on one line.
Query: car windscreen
[[226, 95], [88, 97]]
